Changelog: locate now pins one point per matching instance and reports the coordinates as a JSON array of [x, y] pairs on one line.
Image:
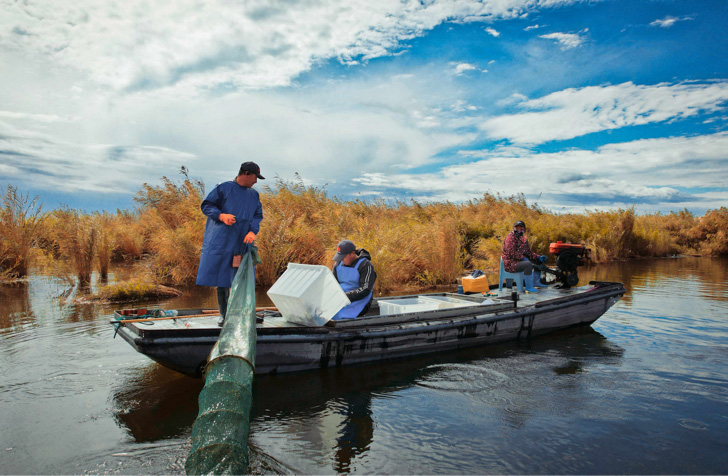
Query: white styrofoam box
[[449, 302], [404, 305], [308, 294]]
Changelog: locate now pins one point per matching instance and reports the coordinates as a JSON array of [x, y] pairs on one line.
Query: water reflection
[[300, 394], [512, 377], [154, 403], [196, 297], [711, 275], [328, 414], [16, 307], [42, 299], [356, 432]]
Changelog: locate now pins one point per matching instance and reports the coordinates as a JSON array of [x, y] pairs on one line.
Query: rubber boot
[[529, 284], [536, 282], [222, 297]]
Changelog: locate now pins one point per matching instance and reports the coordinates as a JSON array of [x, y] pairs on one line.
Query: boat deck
[[206, 324]]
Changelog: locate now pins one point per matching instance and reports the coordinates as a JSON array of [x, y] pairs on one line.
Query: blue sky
[[578, 105]]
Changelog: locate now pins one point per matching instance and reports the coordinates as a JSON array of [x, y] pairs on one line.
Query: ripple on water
[[692, 424], [167, 457], [461, 378], [718, 394]]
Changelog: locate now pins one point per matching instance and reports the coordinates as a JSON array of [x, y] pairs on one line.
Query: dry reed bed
[[411, 243]]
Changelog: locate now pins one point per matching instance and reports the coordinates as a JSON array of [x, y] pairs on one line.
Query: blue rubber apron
[[349, 279]]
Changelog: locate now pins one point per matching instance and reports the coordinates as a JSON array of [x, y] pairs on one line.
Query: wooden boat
[[183, 341]]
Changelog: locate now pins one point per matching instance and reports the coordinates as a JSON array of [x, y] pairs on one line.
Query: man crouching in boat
[[515, 249], [234, 213], [356, 275]]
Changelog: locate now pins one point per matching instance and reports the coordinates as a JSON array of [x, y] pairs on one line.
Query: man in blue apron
[[234, 214], [356, 275]]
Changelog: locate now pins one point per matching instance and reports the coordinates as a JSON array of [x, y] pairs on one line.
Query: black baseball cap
[[342, 249], [251, 167]]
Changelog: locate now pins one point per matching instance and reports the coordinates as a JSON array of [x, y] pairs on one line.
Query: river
[[643, 390]]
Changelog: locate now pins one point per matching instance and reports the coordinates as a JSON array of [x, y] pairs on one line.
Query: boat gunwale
[[396, 329], [454, 322]]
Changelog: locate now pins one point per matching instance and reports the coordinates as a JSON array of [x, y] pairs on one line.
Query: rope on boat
[[220, 432]]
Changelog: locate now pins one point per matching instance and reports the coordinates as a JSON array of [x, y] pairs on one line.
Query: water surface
[[644, 390]]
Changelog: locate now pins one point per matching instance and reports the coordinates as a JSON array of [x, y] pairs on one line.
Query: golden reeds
[[105, 243], [410, 243], [173, 227], [75, 236], [21, 221], [299, 225], [713, 232], [129, 236]]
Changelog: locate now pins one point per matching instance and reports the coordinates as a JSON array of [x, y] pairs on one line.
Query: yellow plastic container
[[475, 285]]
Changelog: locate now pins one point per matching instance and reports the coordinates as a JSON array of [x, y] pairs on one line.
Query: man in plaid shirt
[[515, 249]]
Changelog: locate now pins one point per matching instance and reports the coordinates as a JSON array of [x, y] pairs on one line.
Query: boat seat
[[505, 275]]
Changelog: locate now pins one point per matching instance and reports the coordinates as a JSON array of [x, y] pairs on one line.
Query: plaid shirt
[[514, 250]]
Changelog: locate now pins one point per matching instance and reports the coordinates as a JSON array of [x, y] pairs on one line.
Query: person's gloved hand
[[542, 258], [249, 238], [227, 218]]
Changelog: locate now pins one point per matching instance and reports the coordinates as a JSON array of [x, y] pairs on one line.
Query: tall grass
[[129, 240], [106, 242], [712, 231], [75, 236], [410, 242], [420, 244], [21, 222], [297, 226], [173, 227]]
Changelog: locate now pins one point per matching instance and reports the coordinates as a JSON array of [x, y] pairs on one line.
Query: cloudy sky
[[578, 105]]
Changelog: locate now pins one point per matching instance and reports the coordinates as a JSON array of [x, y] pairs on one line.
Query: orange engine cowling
[[569, 256], [559, 246]]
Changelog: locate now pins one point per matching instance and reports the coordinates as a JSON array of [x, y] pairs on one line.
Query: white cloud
[[514, 98], [668, 21], [103, 96], [462, 106], [648, 173], [36, 117], [460, 68], [40, 161], [533, 27], [334, 131], [492, 32], [139, 44], [566, 40], [575, 112]]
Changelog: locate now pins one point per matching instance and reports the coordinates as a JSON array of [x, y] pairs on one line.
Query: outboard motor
[[569, 256]]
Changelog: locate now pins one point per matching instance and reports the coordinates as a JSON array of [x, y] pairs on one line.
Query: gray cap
[[342, 249]]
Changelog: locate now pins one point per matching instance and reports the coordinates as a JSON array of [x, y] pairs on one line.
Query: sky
[[576, 105]]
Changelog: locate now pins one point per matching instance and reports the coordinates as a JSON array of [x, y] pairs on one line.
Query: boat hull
[[363, 341]]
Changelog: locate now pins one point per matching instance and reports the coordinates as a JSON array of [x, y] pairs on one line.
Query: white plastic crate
[[448, 302], [308, 294], [404, 305]]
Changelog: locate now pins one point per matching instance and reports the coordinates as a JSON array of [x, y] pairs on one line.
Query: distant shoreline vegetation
[[411, 243]]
